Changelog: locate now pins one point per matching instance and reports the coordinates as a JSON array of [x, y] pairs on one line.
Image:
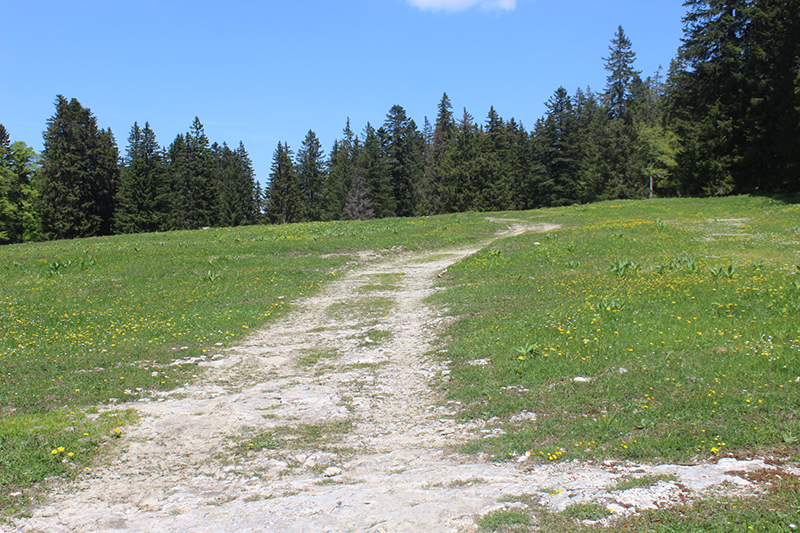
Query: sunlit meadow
[[666, 330], [655, 331], [93, 322]]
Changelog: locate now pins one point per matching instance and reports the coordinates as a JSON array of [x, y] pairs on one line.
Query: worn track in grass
[[347, 433]]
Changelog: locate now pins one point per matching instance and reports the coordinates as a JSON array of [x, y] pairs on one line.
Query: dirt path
[[347, 433]]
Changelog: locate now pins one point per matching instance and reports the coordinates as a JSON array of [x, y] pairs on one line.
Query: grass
[[301, 437], [313, 357], [661, 361], [775, 509], [644, 331], [505, 520], [56, 443], [585, 511], [380, 282], [666, 330], [372, 307], [375, 336], [94, 321], [640, 482]]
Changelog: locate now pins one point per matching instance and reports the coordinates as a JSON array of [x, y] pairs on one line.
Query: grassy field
[[681, 323], [96, 321], [666, 330], [648, 331]]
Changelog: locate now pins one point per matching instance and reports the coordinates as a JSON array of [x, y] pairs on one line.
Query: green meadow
[[663, 330], [93, 322], [651, 331]]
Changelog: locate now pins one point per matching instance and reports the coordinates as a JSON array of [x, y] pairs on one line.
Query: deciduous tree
[[18, 164]]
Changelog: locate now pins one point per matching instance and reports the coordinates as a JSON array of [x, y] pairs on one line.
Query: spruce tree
[[734, 97], [405, 146], [78, 176], [621, 76], [245, 185], [437, 146], [558, 152], [494, 193], [620, 173], [193, 192], [518, 164], [444, 130], [171, 196], [284, 203], [463, 168], [311, 176], [341, 167], [139, 195], [428, 198], [592, 126], [236, 184], [373, 164]]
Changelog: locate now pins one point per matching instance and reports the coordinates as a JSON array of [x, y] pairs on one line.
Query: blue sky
[[267, 71]]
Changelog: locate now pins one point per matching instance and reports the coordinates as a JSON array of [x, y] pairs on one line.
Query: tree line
[[724, 119]]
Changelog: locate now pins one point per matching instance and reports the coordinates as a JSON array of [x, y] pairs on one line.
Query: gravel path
[[348, 433]]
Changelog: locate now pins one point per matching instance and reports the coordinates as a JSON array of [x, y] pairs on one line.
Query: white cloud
[[460, 5]]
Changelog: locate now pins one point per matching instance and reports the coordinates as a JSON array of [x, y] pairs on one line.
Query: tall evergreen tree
[[405, 147], [193, 192], [236, 184], [79, 173], [518, 164], [284, 202], [373, 164], [463, 168], [494, 193], [311, 175], [341, 168], [437, 145], [428, 200], [620, 172], [591, 121], [734, 96], [246, 180], [139, 195], [558, 152], [444, 130], [621, 76]]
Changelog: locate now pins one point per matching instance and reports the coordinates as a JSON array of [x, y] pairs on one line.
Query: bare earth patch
[[327, 421]]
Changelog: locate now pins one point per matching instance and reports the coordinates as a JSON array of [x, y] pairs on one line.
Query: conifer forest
[[723, 119]]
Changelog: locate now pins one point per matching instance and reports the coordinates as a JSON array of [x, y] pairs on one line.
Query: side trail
[[327, 421]]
